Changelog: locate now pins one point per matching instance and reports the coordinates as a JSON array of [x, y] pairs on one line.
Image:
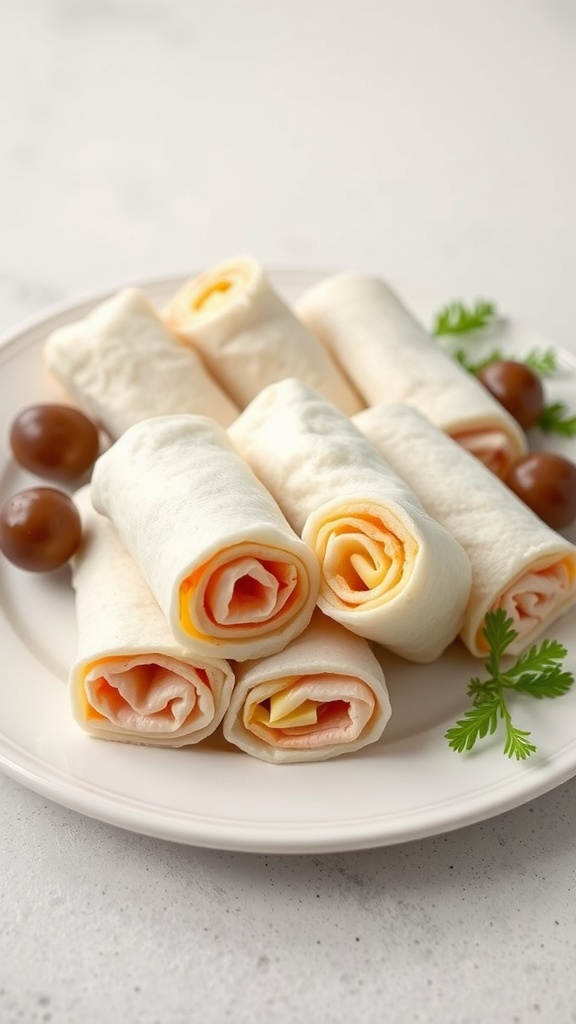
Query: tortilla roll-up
[[130, 681], [323, 695], [390, 357], [121, 365], [249, 337], [518, 563], [388, 571], [230, 574]]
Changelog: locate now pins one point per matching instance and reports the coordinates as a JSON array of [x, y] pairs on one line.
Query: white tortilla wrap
[[121, 364], [130, 680], [518, 563], [249, 337], [323, 695], [389, 572], [230, 574], [389, 357]]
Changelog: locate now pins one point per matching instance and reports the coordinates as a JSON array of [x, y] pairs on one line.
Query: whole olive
[[517, 388], [54, 441], [40, 529], [546, 482]]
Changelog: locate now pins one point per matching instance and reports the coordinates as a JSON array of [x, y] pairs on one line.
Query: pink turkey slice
[[138, 694], [344, 708], [323, 695], [130, 680], [232, 577]]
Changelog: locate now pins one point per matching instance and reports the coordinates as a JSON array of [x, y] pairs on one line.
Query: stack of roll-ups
[[324, 694], [238, 577], [191, 587]]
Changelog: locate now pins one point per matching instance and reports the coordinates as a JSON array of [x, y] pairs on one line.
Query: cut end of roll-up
[[150, 698], [131, 681], [518, 563], [249, 337], [388, 572], [391, 574], [533, 601], [232, 577], [498, 449], [205, 296], [246, 596], [322, 696]]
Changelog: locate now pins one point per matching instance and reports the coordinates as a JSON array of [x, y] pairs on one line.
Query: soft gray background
[[433, 142]]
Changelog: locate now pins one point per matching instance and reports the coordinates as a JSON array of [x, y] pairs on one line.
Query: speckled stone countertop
[[144, 138]]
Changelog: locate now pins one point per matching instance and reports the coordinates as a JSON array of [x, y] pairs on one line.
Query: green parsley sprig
[[537, 673], [541, 361], [456, 318], [556, 419]]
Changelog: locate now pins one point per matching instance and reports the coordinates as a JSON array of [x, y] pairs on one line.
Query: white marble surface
[[430, 142]]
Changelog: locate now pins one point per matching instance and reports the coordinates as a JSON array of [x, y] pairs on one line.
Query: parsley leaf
[[456, 318], [555, 419], [478, 722], [542, 361], [475, 366], [537, 673]]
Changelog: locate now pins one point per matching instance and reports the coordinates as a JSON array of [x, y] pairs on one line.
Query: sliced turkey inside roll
[[491, 446], [149, 696], [231, 575], [246, 587], [130, 680], [323, 695]]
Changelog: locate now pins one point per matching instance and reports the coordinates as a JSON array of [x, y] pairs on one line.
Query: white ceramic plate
[[407, 786]]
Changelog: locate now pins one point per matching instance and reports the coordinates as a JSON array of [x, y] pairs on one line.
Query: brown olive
[[517, 388], [54, 441], [39, 529], [546, 482]]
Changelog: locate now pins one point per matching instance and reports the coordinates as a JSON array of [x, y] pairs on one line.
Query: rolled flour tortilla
[[389, 357], [249, 337], [388, 571], [121, 365], [323, 695], [518, 563], [130, 680], [230, 574]]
